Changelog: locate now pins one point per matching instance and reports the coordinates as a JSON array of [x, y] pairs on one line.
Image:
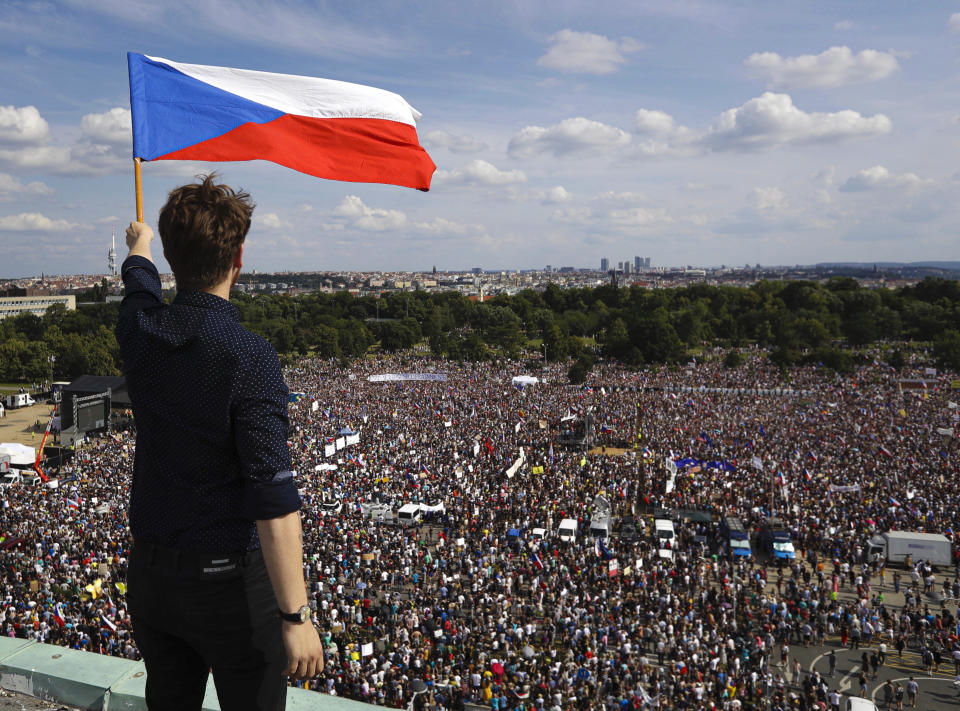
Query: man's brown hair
[[202, 227]]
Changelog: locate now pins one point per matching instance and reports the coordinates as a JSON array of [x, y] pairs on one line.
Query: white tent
[[525, 380], [20, 454]]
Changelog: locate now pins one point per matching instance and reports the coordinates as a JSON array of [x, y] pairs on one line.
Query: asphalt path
[[937, 691]]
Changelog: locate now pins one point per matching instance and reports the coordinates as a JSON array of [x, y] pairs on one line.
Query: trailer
[[897, 546], [17, 400]]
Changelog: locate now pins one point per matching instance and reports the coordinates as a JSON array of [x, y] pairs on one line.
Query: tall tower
[[112, 254]]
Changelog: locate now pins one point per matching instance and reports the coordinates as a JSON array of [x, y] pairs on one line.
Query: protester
[[481, 610]]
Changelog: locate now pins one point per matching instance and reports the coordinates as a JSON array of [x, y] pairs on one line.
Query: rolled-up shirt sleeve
[[261, 427]]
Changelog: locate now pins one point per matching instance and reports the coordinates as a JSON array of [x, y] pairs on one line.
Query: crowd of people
[[470, 605]]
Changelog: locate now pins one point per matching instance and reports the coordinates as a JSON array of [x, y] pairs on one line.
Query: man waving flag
[[326, 128]]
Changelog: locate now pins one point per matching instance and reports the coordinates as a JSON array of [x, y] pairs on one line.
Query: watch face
[[304, 613]]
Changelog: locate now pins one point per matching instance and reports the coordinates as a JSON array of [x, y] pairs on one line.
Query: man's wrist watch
[[300, 616]]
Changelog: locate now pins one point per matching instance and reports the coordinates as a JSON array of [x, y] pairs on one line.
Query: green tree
[[946, 349]]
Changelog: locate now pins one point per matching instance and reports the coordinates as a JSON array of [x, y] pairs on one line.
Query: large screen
[[92, 416]]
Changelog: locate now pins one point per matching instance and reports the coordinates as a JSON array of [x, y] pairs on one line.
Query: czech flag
[[58, 615], [535, 559], [322, 127]]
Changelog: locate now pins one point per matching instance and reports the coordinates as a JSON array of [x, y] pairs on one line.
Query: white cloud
[[112, 127], [442, 226], [622, 198], [571, 135], [769, 199], [556, 194], [572, 215], [767, 122], [11, 188], [639, 217], [878, 178], [479, 172], [22, 126], [271, 221], [953, 24], [369, 218], [34, 222], [771, 121], [454, 143], [843, 25], [587, 53], [837, 66], [655, 123], [612, 213], [25, 143]]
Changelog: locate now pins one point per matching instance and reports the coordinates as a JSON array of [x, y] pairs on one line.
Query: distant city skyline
[[690, 133]]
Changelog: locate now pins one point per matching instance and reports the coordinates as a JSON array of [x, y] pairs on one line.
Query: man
[[214, 511], [912, 689]]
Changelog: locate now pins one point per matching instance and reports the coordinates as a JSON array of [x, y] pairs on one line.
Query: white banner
[[945, 431], [845, 489], [314, 406], [353, 439], [329, 450], [341, 443], [402, 377]]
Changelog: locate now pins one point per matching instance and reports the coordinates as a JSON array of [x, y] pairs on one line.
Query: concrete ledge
[[95, 682], [59, 674]]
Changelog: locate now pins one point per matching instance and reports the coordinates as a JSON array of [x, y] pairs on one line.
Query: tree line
[[798, 321]]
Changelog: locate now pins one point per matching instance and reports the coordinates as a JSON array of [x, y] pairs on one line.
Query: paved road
[[937, 692]]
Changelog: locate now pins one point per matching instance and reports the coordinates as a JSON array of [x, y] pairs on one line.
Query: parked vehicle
[[736, 537], [666, 537], [18, 400], [895, 546], [627, 529], [776, 539], [567, 531], [409, 514], [600, 526]]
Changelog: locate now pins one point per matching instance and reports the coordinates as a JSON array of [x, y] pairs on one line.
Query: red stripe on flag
[[357, 150]]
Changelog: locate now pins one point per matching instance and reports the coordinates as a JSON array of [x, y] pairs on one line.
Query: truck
[[896, 546], [736, 537], [16, 400], [776, 538]]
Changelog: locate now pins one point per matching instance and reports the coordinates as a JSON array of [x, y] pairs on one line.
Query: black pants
[[193, 613]]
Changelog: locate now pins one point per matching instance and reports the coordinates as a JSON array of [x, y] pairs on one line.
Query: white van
[[538, 534], [855, 703], [409, 514], [666, 537], [600, 526], [19, 400], [567, 531]]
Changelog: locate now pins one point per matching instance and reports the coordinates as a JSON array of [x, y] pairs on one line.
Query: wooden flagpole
[[138, 184]]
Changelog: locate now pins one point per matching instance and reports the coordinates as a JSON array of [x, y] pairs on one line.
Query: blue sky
[[699, 133]]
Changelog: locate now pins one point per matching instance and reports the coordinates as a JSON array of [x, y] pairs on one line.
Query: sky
[[698, 133]]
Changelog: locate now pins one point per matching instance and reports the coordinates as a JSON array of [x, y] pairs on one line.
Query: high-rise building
[[637, 263], [626, 267], [604, 264], [646, 262]]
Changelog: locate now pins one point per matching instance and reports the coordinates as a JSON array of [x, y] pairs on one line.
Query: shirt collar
[[204, 300]]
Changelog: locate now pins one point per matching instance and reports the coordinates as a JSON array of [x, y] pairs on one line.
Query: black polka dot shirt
[[210, 406]]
